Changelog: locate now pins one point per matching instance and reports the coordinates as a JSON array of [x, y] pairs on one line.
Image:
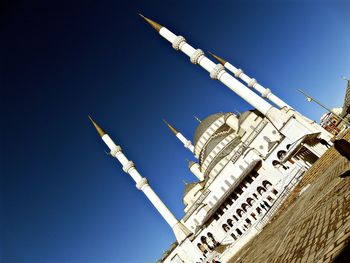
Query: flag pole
[[309, 98]]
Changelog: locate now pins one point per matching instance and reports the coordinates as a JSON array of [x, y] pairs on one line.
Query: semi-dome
[[204, 125], [245, 115], [190, 191], [214, 141], [215, 130], [222, 154]]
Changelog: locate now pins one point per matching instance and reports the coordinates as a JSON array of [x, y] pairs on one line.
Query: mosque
[[247, 164]]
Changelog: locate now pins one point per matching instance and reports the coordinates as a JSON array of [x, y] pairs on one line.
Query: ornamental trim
[[196, 55], [178, 41], [141, 183], [216, 71], [266, 93], [128, 166], [252, 82], [115, 150], [238, 73]]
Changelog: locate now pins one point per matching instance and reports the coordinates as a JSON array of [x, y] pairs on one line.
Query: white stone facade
[[245, 166]]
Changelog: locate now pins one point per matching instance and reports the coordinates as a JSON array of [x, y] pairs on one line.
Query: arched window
[[216, 216], [204, 239], [254, 174], [266, 204], [234, 196], [202, 248], [261, 189], [245, 207], [249, 179], [258, 209], [210, 235], [225, 227], [240, 212], [266, 184], [230, 222], [250, 201], [275, 163], [281, 154], [274, 191], [253, 215], [235, 217], [270, 199], [239, 232]]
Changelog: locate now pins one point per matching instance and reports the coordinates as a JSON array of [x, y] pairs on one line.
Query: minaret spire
[[197, 119], [218, 72], [252, 83], [100, 131], [181, 232], [153, 24], [171, 127], [187, 143], [221, 60]]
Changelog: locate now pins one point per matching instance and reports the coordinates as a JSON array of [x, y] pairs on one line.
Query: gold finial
[[153, 24], [97, 127], [171, 127], [222, 61], [197, 119]]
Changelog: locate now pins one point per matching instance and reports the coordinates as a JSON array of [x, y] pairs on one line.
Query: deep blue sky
[[63, 199]]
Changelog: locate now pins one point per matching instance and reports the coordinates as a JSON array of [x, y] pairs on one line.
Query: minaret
[[197, 119], [187, 143], [180, 231], [252, 83], [217, 71]]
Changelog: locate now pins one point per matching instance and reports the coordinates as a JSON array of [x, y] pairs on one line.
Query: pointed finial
[[97, 127], [344, 78], [171, 127], [153, 24], [221, 61], [185, 182], [197, 119]]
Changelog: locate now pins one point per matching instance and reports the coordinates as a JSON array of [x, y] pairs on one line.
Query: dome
[[337, 111], [204, 125]]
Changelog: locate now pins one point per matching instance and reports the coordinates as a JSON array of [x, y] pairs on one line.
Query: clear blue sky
[[63, 200]]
